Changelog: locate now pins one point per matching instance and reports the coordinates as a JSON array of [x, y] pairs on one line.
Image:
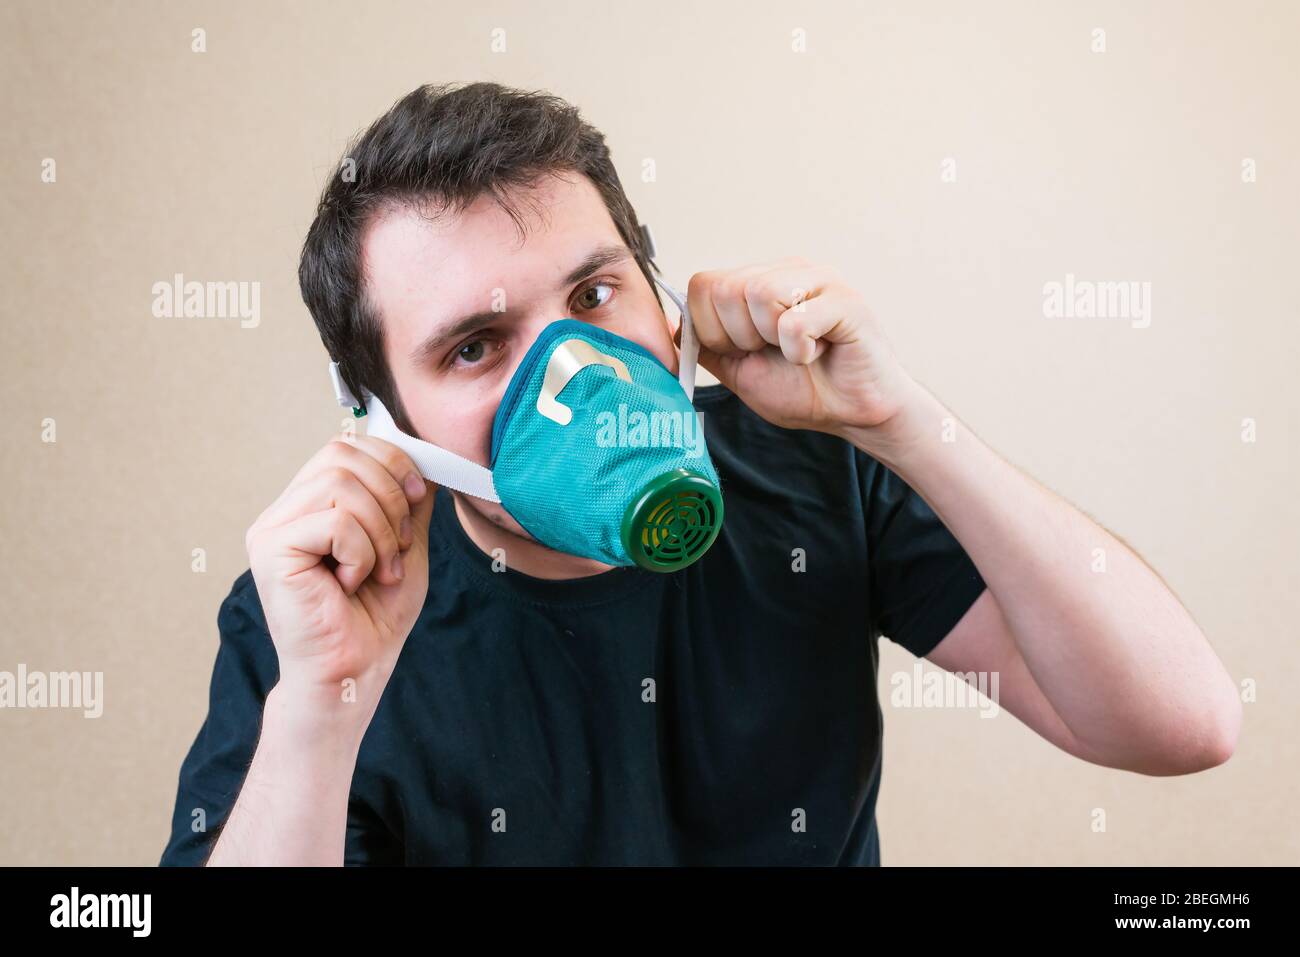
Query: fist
[[341, 565], [797, 345]]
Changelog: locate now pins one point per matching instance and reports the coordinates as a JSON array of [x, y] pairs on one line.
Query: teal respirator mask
[[596, 449]]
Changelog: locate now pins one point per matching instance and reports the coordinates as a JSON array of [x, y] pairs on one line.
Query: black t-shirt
[[723, 714]]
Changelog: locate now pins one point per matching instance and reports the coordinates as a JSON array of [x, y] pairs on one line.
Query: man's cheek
[[471, 436]]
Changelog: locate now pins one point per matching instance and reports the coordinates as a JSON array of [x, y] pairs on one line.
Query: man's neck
[[522, 554]]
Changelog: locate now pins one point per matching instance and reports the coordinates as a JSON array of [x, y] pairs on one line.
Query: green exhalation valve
[[672, 522]]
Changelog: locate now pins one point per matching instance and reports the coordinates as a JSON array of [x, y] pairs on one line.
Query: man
[[405, 675]]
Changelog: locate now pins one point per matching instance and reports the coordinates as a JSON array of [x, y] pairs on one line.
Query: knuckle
[[757, 288], [340, 521], [393, 459], [329, 452], [340, 453], [337, 476], [729, 291], [340, 448]]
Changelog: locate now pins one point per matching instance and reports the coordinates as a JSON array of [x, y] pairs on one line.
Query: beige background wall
[[173, 434]]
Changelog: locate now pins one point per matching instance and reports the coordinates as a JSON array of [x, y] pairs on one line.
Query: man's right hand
[[341, 562]]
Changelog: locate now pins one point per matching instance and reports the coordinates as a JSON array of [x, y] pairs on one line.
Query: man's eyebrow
[[428, 350], [596, 260]]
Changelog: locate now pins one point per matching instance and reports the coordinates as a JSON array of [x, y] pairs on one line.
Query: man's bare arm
[[1109, 665], [293, 806], [341, 563]]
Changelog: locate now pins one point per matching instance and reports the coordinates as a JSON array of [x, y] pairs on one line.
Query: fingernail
[[397, 567], [404, 530], [414, 486]]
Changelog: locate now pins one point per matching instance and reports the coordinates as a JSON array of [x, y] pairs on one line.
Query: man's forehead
[[484, 248]]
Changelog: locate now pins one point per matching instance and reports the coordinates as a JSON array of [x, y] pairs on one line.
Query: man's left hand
[[798, 346]]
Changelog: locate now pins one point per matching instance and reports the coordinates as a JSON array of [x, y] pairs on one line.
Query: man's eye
[[590, 298], [471, 352]]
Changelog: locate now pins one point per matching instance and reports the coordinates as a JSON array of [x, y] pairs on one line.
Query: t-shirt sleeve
[[213, 771], [921, 579]]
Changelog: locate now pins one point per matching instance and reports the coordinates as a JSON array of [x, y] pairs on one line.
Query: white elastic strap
[[434, 462], [689, 349]]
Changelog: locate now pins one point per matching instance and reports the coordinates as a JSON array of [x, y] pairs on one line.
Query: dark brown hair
[[440, 148]]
